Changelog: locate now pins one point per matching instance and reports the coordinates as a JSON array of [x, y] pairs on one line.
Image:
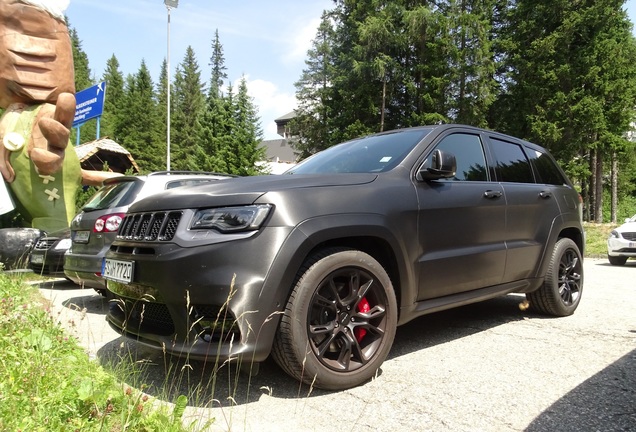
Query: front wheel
[[561, 291], [340, 320]]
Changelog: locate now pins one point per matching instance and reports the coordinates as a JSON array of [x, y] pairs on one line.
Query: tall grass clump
[[48, 382]]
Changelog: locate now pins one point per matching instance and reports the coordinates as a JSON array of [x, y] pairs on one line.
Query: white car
[[621, 243]]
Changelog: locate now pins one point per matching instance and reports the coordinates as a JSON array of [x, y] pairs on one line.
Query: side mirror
[[442, 165]]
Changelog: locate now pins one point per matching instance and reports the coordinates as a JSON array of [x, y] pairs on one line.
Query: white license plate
[[119, 271], [37, 259], [81, 236], [632, 245]]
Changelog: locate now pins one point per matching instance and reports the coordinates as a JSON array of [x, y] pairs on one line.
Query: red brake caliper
[[363, 307]]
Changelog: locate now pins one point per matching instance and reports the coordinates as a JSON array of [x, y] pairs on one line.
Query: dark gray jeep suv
[[318, 266]]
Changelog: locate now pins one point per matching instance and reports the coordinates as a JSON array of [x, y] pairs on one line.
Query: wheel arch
[[571, 231], [367, 233]]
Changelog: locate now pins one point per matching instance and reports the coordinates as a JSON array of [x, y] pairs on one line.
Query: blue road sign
[[89, 103]]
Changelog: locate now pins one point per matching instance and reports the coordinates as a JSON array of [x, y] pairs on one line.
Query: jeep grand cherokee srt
[[318, 266]]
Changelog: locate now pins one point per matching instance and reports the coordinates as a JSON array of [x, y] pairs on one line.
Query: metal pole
[[168, 99]]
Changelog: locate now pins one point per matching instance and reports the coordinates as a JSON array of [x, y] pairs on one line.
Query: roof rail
[[190, 172]]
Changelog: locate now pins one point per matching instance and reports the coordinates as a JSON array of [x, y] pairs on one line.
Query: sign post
[[89, 103]]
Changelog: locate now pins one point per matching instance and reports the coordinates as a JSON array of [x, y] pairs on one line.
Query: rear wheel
[[340, 320], [617, 260], [561, 291]]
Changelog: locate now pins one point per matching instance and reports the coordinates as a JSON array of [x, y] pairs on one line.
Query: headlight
[[614, 234], [63, 244], [231, 219]]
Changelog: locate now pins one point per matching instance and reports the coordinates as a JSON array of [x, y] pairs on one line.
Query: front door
[[461, 224]]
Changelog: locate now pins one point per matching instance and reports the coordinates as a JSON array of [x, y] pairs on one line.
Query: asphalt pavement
[[483, 367]]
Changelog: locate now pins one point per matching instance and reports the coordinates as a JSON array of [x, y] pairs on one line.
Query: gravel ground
[[483, 367]]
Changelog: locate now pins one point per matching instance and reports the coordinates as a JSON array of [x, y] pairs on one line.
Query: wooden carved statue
[[37, 91]]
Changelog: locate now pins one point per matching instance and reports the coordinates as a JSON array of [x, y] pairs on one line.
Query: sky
[[264, 41]]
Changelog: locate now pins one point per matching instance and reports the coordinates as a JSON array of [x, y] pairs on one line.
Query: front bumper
[[208, 301], [621, 247]]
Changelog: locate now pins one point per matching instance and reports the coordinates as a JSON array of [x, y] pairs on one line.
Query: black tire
[[562, 288], [617, 260], [340, 320]]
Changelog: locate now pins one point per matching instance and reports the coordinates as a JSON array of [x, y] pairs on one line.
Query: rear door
[[461, 223], [531, 208]]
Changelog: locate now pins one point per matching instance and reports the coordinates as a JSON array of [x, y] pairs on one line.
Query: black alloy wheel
[[340, 320], [562, 288]]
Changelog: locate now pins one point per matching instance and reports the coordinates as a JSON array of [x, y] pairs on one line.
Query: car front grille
[[160, 226], [631, 236], [45, 243]]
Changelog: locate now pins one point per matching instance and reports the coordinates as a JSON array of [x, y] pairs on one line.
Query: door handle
[[491, 194], [545, 194]]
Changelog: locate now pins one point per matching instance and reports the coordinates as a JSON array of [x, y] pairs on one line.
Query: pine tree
[[472, 61], [113, 98], [247, 134], [311, 126], [139, 123], [214, 123], [571, 85], [162, 112], [188, 98]]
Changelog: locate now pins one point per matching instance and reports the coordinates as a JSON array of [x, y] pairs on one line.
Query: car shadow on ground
[[604, 402], [629, 263], [207, 385], [91, 303]]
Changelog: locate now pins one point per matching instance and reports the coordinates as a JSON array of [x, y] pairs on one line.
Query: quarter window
[[546, 168]]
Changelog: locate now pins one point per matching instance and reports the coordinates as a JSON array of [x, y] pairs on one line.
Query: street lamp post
[[169, 5]]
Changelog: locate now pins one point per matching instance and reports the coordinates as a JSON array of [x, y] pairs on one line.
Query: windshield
[[372, 154], [114, 195]]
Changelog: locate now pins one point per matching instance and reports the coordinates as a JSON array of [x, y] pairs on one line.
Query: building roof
[[285, 118], [279, 150], [94, 154]]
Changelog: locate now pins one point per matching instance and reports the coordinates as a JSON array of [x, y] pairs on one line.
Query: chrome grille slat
[[159, 226]]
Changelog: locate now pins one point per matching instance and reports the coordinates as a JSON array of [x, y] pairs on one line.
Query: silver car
[[621, 244], [95, 227]]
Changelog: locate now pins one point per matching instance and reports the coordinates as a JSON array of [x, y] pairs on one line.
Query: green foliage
[[48, 383], [596, 239], [188, 100], [138, 124], [113, 100]]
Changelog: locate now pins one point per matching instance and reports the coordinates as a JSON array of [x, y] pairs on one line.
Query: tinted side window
[[546, 169], [469, 154], [511, 162]]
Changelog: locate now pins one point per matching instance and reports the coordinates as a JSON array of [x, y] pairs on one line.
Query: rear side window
[[546, 168], [114, 195], [511, 163], [469, 155]]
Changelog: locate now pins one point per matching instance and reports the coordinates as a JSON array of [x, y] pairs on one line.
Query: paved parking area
[[483, 367]]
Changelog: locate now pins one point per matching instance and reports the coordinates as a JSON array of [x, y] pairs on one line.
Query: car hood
[[627, 227], [243, 190]]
